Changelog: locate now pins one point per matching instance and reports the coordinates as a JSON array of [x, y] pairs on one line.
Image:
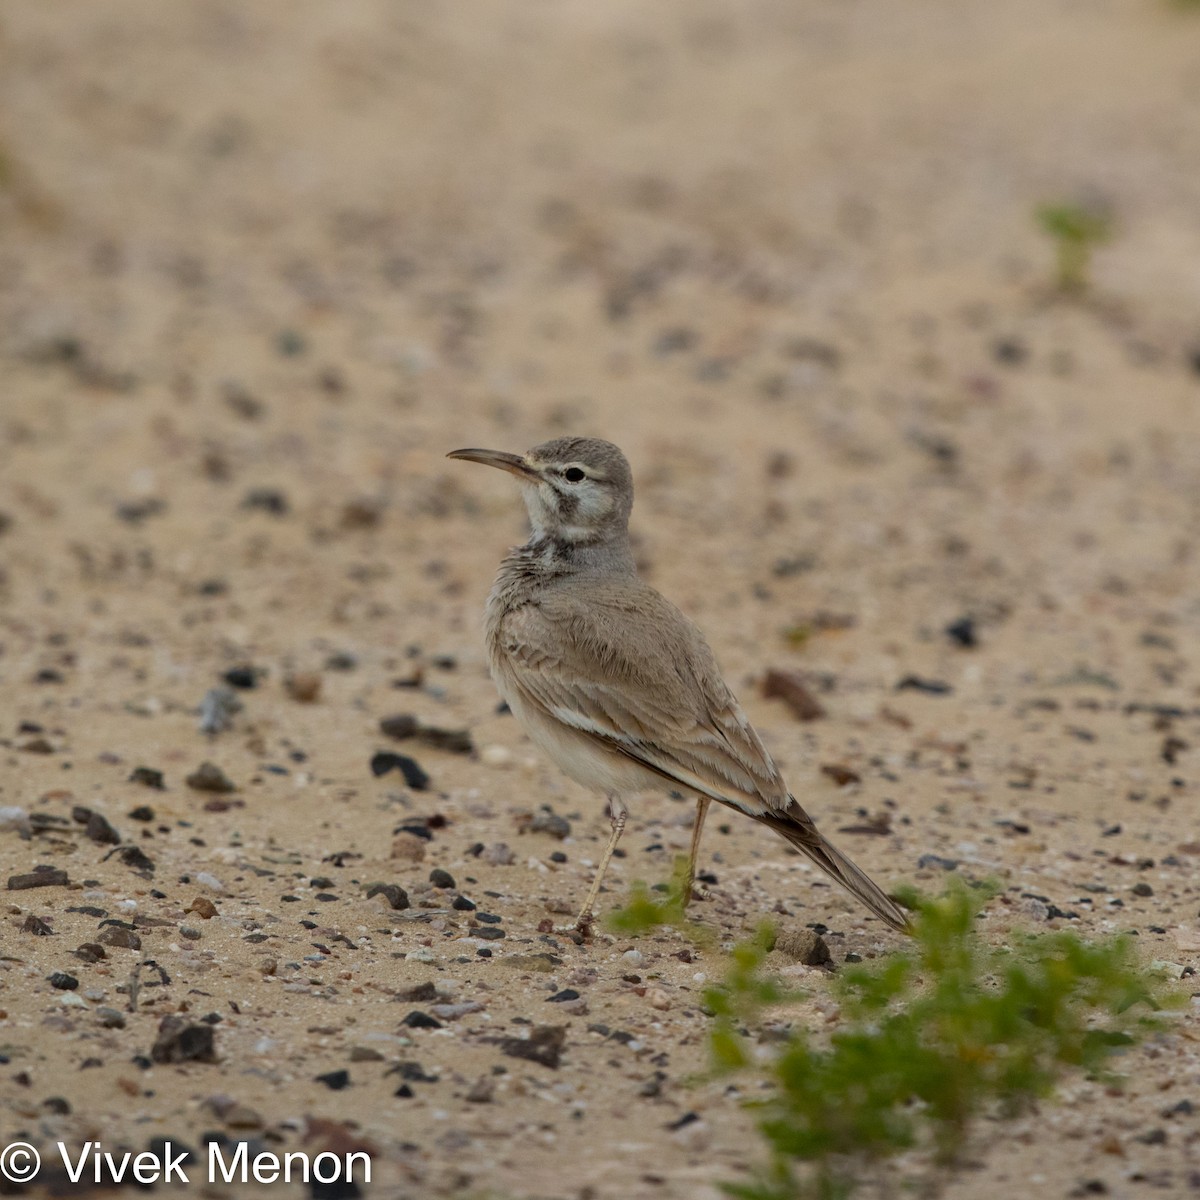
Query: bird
[[608, 678]]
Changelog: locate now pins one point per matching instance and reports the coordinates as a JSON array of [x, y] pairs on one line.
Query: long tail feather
[[808, 839]]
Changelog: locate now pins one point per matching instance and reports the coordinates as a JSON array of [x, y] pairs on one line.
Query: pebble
[[180, 1040], [208, 777], [203, 907], [147, 777], [441, 879], [393, 893], [499, 855], [805, 945], [210, 881], [335, 1081], [40, 876], [408, 847], [217, 710], [793, 690], [421, 954], [14, 819], [421, 1020], [481, 1091], [544, 1045], [304, 686], [634, 958], [63, 982], [111, 1018], [414, 776], [496, 756], [36, 926], [115, 935], [546, 820], [658, 998]]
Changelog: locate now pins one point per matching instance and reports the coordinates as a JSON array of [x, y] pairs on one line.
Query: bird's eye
[[573, 475]]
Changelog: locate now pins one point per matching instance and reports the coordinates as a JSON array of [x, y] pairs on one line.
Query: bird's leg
[[617, 814], [702, 803]]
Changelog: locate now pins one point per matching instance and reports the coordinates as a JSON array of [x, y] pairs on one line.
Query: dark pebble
[[57, 1105], [335, 1081], [488, 918], [136, 859], [463, 904], [1184, 1108], [441, 879], [418, 993], [544, 1045], [400, 726], [143, 812], [341, 661], [565, 994], [63, 982], [489, 933], [483, 952], [124, 939], [244, 677], [147, 777], [414, 776], [41, 876], [931, 687], [1010, 352], [963, 632], [269, 500], [404, 1092], [688, 1118], [180, 1040], [1142, 889], [396, 896], [421, 1020], [90, 952], [36, 926], [558, 856], [208, 777], [412, 1072], [546, 820], [101, 830], [927, 861]]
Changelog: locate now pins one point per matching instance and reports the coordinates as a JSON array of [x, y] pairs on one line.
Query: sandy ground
[[261, 266]]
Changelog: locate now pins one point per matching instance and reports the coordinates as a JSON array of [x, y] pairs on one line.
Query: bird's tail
[[805, 836]]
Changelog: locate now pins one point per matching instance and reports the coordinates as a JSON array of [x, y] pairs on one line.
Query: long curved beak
[[514, 464]]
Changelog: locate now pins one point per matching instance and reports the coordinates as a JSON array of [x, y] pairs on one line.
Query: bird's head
[[578, 490]]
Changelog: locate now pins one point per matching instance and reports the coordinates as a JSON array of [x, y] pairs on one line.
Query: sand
[[261, 266]]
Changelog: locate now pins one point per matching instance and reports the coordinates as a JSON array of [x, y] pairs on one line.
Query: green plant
[[648, 908], [931, 1038], [1076, 229]]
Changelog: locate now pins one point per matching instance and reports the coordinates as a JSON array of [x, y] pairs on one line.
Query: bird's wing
[[626, 667]]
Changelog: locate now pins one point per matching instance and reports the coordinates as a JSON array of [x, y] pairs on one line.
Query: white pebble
[[424, 954], [496, 756], [13, 818], [204, 879], [127, 906], [634, 958], [72, 1000]]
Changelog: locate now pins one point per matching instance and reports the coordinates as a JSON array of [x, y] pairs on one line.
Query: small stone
[[481, 1091], [393, 893], [399, 726], [544, 1045], [143, 812], [804, 945], [791, 688], [136, 859], [546, 820], [1142, 889], [365, 1054], [190, 933], [14, 819], [36, 926], [111, 1018], [408, 847], [180, 1041], [63, 982], [462, 904], [936, 861], [115, 935], [658, 998], [335, 1081], [272, 501], [496, 755], [304, 686], [217, 710], [633, 958], [417, 993], [489, 933], [931, 687], [385, 761], [421, 1020], [40, 876], [441, 879], [963, 633], [147, 777], [208, 880], [203, 907], [90, 952], [208, 777], [565, 994], [499, 855], [245, 677]]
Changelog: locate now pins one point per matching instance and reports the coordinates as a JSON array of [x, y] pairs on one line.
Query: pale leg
[[617, 814], [702, 803]]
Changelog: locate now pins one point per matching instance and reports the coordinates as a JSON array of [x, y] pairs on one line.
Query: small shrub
[[1076, 229], [932, 1037]]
